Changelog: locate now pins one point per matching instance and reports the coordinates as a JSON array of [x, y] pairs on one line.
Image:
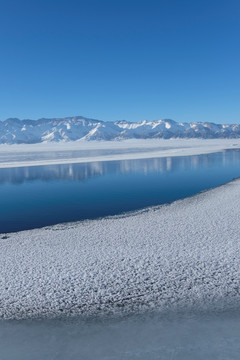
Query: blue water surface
[[38, 196]]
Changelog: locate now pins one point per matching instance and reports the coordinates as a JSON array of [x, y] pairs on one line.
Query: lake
[[39, 196], [44, 195]]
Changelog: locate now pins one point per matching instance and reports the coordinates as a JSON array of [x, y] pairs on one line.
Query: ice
[[177, 336], [91, 151]]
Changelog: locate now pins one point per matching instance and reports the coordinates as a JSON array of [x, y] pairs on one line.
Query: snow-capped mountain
[[15, 131]]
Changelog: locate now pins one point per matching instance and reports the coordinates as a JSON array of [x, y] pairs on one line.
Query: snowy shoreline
[[90, 151], [182, 255]]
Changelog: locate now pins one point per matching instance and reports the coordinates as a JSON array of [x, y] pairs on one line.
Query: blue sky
[[115, 59]]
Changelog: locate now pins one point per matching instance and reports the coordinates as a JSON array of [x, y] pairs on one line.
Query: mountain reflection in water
[[39, 196], [83, 171]]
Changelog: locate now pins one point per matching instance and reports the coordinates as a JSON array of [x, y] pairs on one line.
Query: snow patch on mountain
[[15, 131]]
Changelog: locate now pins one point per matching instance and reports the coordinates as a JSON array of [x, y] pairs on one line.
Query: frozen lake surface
[[176, 336], [38, 196]]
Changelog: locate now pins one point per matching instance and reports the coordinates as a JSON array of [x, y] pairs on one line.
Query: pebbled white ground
[[89, 151], [183, 255]]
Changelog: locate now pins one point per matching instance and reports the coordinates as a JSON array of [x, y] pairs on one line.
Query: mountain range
[[15, 131]]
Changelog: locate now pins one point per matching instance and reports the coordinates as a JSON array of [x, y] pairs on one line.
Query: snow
[[180, 256], [91, 151], [15, 131]]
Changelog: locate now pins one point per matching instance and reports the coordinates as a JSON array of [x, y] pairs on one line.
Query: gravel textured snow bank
[[184, 254], [88, 151]]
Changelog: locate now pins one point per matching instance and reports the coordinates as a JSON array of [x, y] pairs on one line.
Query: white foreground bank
[[186, 254]]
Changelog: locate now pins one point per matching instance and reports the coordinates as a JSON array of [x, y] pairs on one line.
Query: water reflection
[[83, 171], [38, 196]]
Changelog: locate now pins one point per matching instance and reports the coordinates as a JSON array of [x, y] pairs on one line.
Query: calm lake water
[[38, 196]]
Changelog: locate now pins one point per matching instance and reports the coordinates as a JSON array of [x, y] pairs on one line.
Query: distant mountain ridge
[[15, 131]]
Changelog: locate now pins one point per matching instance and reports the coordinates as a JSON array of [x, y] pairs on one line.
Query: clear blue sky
[[120, 59]]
